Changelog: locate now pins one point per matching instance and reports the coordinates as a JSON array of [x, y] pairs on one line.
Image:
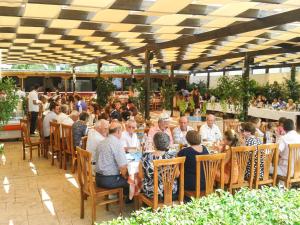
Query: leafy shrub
[[104, 89], [8, 99], [264, 206]]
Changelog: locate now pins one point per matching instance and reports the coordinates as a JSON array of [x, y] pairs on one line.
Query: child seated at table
[[230, 140]]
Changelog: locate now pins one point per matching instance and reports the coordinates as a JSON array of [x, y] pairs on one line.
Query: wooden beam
[[208, 80], [269, 51], [261, 23]]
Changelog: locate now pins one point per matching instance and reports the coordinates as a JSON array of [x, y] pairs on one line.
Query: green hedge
[[265, 206]]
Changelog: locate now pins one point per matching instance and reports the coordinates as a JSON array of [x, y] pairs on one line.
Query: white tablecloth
[[257, 112]]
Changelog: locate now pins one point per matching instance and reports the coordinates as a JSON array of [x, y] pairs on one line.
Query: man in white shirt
[[179, 132], [20, 93], [95, 136], [64, 111], [51, 116], [210, 131], [129, 138], [33, 107], [291, 137]]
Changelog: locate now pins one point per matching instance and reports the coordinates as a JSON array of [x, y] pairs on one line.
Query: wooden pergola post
[[147, 84], [73, 83], [208, 80], [99, 65], [172, 83], [246, 76], [293, 73]]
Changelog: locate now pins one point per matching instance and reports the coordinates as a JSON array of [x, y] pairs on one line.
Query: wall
[[260, 78]]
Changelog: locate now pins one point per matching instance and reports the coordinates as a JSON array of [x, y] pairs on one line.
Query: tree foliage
[[167, 93], [8, 99], [104, 89]]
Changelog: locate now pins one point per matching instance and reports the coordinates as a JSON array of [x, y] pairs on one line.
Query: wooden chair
[[168, 169], [89, 188], [26, 140], [55, 143], [83, 142], [210, 164], [293, 171], [45, 142], [67, 146], [270, 154], [242, 155]]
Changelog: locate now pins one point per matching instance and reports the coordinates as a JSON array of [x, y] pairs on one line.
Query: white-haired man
[[95, 136], [210, 131], [129, 137], [179, 132]]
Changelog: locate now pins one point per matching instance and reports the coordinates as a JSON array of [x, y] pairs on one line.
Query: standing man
[[33, 107]]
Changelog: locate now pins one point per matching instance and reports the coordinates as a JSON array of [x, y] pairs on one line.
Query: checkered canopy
[[77, 31]]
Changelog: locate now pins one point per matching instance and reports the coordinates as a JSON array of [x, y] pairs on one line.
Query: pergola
[[185, 34]]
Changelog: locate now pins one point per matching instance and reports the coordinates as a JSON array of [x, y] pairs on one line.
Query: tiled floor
[[36, 193]]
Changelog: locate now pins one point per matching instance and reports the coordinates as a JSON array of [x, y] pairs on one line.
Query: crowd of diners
[[278, 103], [113, 130]]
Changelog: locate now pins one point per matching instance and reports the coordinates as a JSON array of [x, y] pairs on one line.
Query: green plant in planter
[[139, 88], [1, 149], [104, 89], [263, 206], [292, 89], [231, 90], [8, 99], [168, 93]]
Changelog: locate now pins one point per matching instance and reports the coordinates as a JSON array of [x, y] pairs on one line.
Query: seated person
[[51, 116], [282, 104], [132, 108], [279, 130], [80, 104], [162, 126], [257, 123], [179, 132], [111, 165], [190, 153], [291, 106], [291, 137], [80, 128], [230, 140], [129, 138], [95, 136], [248, 131], [210, 131], [161, 142], [63, 115], [275, 104], [116, 112]]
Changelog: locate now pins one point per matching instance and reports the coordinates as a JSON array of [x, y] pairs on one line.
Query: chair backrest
[[210, 165], [293, 171], [84, 171], [242, 155], [83, 142], [55, 135], [168, 170], [67, 138], [268, 153], [40, 126], [25, 132]]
